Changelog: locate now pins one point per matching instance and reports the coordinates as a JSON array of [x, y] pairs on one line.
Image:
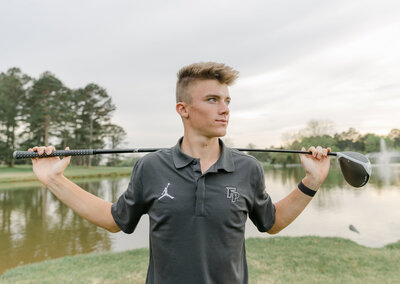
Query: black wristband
[[305, 189]]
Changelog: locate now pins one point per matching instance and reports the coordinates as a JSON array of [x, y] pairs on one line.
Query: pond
[[35, 226]]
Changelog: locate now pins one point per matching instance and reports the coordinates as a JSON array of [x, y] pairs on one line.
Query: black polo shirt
[[197, 221]]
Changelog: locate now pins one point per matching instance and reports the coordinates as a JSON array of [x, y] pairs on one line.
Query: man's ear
[[182, 109]]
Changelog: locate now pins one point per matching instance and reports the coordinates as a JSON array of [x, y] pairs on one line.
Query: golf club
[[355, 167]]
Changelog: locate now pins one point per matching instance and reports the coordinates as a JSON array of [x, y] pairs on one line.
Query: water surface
[[35, 225]]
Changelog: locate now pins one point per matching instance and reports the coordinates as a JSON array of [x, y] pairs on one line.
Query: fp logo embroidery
[[232, 193], [165, 193]]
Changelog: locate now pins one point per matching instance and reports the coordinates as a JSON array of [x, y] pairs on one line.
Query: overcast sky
[[298, 60]]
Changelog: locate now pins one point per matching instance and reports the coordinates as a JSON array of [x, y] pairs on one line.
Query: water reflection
[[36, 226], [373, 209]]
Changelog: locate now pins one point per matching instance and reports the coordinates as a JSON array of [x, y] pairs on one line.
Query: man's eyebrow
[[216, 96]]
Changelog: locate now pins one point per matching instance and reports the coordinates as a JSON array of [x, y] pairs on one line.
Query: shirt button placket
[[200, 196], [200, 188]]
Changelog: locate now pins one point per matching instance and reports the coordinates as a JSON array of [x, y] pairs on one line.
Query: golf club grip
[[57, 153]]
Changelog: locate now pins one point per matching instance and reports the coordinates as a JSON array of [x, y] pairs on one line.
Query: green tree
[[323, 141], [93, 108], [349, 140], [43, 108], [115, 135], [66, 120], [352, 135], [261, 156], [394, 135], [272, 158], [371, 142], [13, 87]]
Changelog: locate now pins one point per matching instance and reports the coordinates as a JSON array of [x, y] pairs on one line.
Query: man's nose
[[224, 108]]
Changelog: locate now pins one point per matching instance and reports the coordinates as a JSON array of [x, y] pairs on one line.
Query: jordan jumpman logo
[[165, 193]]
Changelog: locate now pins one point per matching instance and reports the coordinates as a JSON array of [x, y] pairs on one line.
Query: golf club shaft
[[85, 152]]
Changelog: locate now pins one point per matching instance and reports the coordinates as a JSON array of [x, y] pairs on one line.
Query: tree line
[[44, 111], [321, 133]]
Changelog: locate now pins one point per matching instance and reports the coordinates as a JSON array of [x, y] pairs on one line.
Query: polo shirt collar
[[225, 161]]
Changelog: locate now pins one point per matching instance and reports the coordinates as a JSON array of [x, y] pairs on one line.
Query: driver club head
[[356, 168]]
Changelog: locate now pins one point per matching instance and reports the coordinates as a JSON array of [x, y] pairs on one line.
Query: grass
[[270, 260], [321, 260], [22, 174]]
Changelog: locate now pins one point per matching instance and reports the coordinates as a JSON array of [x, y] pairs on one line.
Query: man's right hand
[[47, 169]]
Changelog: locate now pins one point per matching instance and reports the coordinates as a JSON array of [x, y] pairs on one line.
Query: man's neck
[[206, 149]]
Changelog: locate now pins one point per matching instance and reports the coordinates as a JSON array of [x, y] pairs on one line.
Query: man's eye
[[212, 100]]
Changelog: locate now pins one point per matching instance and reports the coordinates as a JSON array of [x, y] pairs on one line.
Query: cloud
[[299, 60]]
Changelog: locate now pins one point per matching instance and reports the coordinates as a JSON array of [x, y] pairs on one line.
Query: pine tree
[[13, 87]]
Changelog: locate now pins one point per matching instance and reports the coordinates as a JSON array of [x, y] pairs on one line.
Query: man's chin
[[221, 134], [218, 135]]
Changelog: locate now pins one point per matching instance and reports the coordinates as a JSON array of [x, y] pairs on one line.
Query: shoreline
[[23, 176]]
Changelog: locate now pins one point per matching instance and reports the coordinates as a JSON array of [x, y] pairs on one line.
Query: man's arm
[[316, 167], [90, 207]]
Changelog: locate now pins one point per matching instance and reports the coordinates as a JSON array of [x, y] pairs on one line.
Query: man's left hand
[[316, 166]]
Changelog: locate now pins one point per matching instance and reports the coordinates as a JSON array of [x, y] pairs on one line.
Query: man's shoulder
[[236, 154], [155, 157], [244, 159], [152, 163]]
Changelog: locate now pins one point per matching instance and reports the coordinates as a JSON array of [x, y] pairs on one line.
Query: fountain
[[386, 157], [385, 160]]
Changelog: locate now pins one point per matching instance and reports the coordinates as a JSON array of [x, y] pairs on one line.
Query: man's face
[[208, 113]]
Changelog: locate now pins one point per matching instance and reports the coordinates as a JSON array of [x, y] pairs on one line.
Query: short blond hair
[[202, 71]]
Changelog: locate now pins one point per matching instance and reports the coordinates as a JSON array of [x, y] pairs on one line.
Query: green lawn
[[270, 260], [23, 174]]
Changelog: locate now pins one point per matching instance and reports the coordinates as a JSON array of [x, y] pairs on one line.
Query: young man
[[197, 194]]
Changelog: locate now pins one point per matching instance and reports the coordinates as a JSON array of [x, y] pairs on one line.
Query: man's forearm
[[316, 167], [85, 204], [290, 207]]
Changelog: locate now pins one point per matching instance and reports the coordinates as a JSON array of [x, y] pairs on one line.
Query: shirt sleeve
[[262, 213], [130, 206]]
